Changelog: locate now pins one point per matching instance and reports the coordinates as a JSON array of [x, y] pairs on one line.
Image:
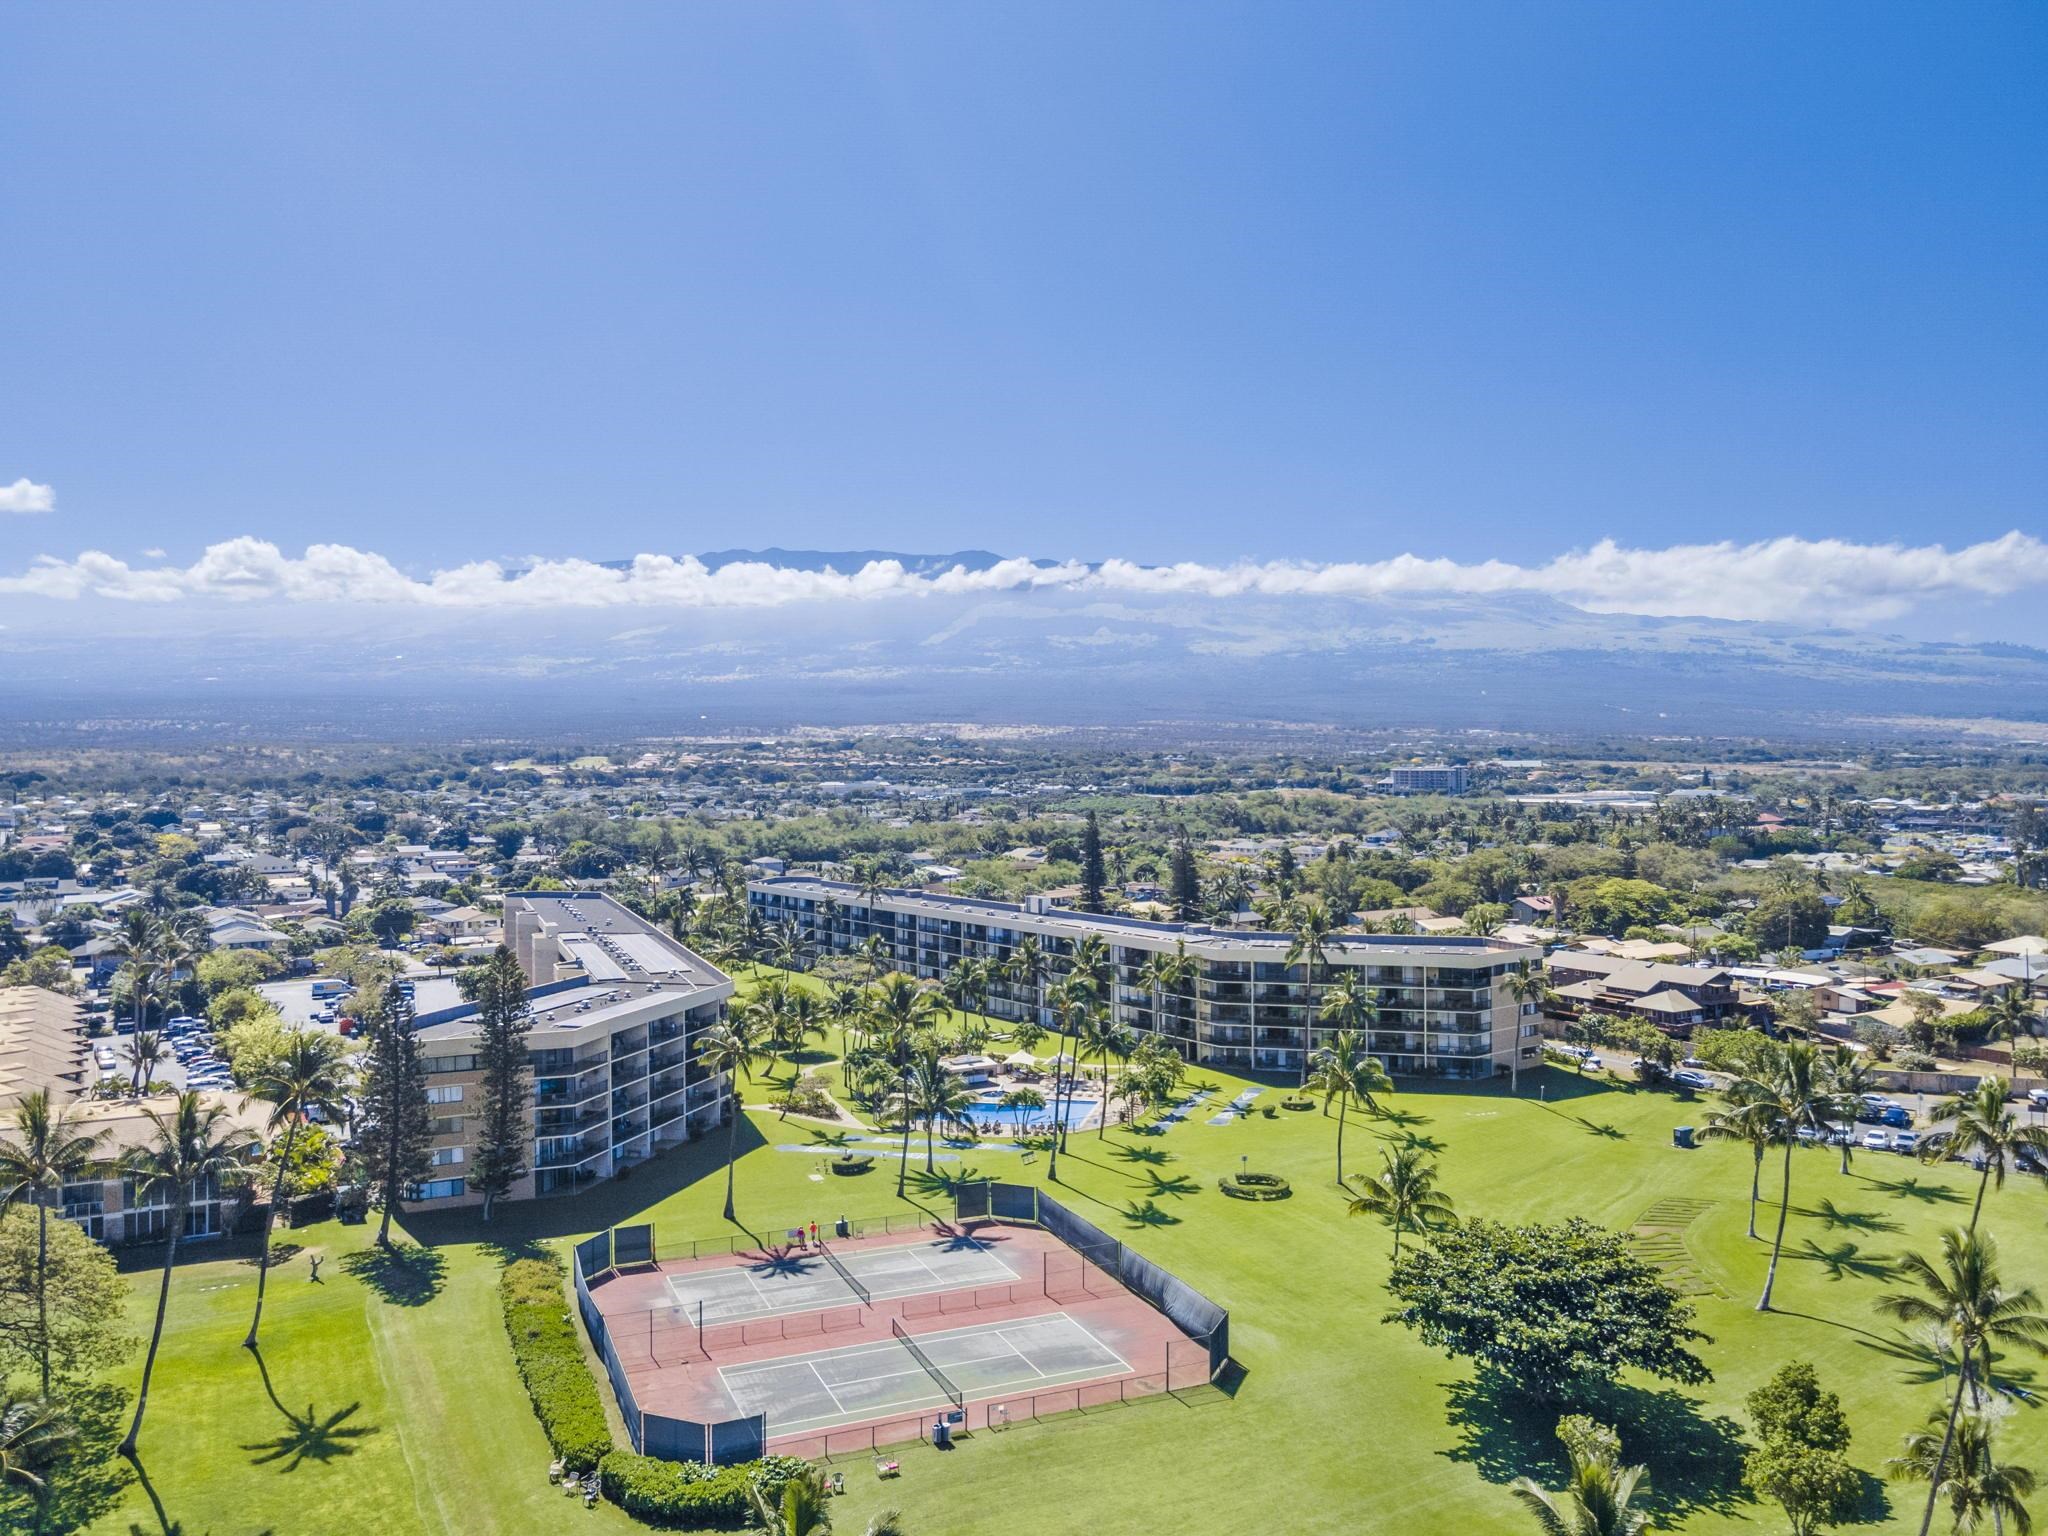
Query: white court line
[[826, 1385]]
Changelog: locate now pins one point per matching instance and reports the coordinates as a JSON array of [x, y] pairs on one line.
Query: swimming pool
[[1010, 1116]]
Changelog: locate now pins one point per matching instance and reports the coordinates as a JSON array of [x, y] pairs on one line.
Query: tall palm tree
[[2012, 1015], [1968, 1478], [1404, 1195], [1980, 1127], [1344, 1071], [1029, 967], [1092, 967], [1849, 1076], [873, 954], [1309, 949], [310, 1074], [1164, 974], [900, 1010], [942, 1099], [50, 1149], [804, 1509], [1784, 1091], [190, 1145], [136, 944], [1966, 1299], [1103, 1035], [1599, 1499], [725, 1051], [1755, 1133], [901, 1103], [1071, 1005], [1349, 1004], [146, 1051]]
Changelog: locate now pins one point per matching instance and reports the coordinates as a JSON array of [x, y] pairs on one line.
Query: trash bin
[[840, 1228], [1681, 1136], [942, 1433]]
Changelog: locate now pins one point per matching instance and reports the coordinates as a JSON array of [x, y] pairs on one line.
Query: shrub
[[1297, 1101], [688, 1493], [1255, 1186], [550, 1361], [852, 1162]]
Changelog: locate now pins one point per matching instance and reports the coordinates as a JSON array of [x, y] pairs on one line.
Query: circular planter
[[850, 1163], [1296, 1101], [1254, 1186]]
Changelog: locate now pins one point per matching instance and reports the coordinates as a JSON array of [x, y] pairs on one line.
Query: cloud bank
[[1830, 580], [26, 496]]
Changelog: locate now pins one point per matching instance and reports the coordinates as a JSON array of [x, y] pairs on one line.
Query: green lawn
[[1338, 1424]]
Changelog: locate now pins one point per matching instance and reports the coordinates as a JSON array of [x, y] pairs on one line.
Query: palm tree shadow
[[1153, 1156], [309, 1437], [1847, 1261], [940, 1182], [1601, 1128], [1178, 1186], [405, 1274], [1914, 1189], [91, 1477], [1149, 1213], [1854, 1221]]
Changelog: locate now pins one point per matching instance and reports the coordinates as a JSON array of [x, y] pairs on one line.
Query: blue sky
[[1162, 282]]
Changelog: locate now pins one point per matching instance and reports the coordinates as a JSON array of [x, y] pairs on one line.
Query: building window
[[447, 1093], [447, 1157], [435, 1189]]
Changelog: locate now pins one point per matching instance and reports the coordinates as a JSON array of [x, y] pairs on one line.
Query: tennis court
[[802, 1280], [819, 1391]]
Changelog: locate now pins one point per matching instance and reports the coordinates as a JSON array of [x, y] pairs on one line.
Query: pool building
[[1443, 1010]]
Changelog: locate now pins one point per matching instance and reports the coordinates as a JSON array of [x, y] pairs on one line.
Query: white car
[[1905, 1141], [2037, 1098], [1877, 1141]]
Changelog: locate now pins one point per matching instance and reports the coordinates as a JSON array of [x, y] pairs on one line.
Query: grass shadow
[[1154, 1156], [281, 1252], [307, 1436], [1914, 1189], [1179, 1186], [405, 1274]]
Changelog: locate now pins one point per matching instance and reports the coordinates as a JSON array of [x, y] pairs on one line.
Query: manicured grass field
[[396, 1409]]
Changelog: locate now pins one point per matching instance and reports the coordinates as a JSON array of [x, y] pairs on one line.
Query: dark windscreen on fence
[[971, 1200], [739, 1440], [594, 1254], [672, 1439], [632, 1245]]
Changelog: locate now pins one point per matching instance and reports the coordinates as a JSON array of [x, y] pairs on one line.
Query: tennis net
[[846, 1274], [945, 1382]]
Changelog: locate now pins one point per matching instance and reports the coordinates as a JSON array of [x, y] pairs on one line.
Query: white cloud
[[26, 496], [1810, 580]]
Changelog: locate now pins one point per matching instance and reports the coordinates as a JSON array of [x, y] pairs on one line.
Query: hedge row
[[1254, 1186], [549, 1355], [689, 1494]]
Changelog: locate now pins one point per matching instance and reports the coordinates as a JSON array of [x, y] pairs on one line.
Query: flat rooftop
[[1066, 921]]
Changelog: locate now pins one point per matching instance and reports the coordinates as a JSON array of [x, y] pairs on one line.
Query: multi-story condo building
[[1432, 779], [618, 1008], [1442, 1010]]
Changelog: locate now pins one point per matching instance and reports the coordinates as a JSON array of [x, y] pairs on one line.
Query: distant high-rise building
[[1432, 779]]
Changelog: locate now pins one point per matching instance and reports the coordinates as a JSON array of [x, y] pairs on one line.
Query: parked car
[[1694, 1062], [1877, 1141], [1698, 1082], [2037, 1098], [1896, 1115], [1905, 1141]]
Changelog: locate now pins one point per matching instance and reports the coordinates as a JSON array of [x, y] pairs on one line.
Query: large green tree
[[1797, 1462], [50, 1148], [394, 1131], [503, 1021], [1556, 1310]]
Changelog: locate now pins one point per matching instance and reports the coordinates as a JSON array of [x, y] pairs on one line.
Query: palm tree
[[34, 1432], [1965, 1298], [900, 1010], [1404, 1194], [941, 1098], [2011, 1015], [1165, 973], [803, 1509], [1101, 1034], [136, 944], [901, 1103], [1784, 1092], [311, 1073], [146, 1050], [1028, 966], [1071, 1005], [1342, 1070], [1309, 949], [1962, 1472], [1528, 983], [190, 1145], [1349, 1004], [1849, 1077], [1092, 967], [52, 1150], [1598, 1500], [725, 1050], [1981, 1127]]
